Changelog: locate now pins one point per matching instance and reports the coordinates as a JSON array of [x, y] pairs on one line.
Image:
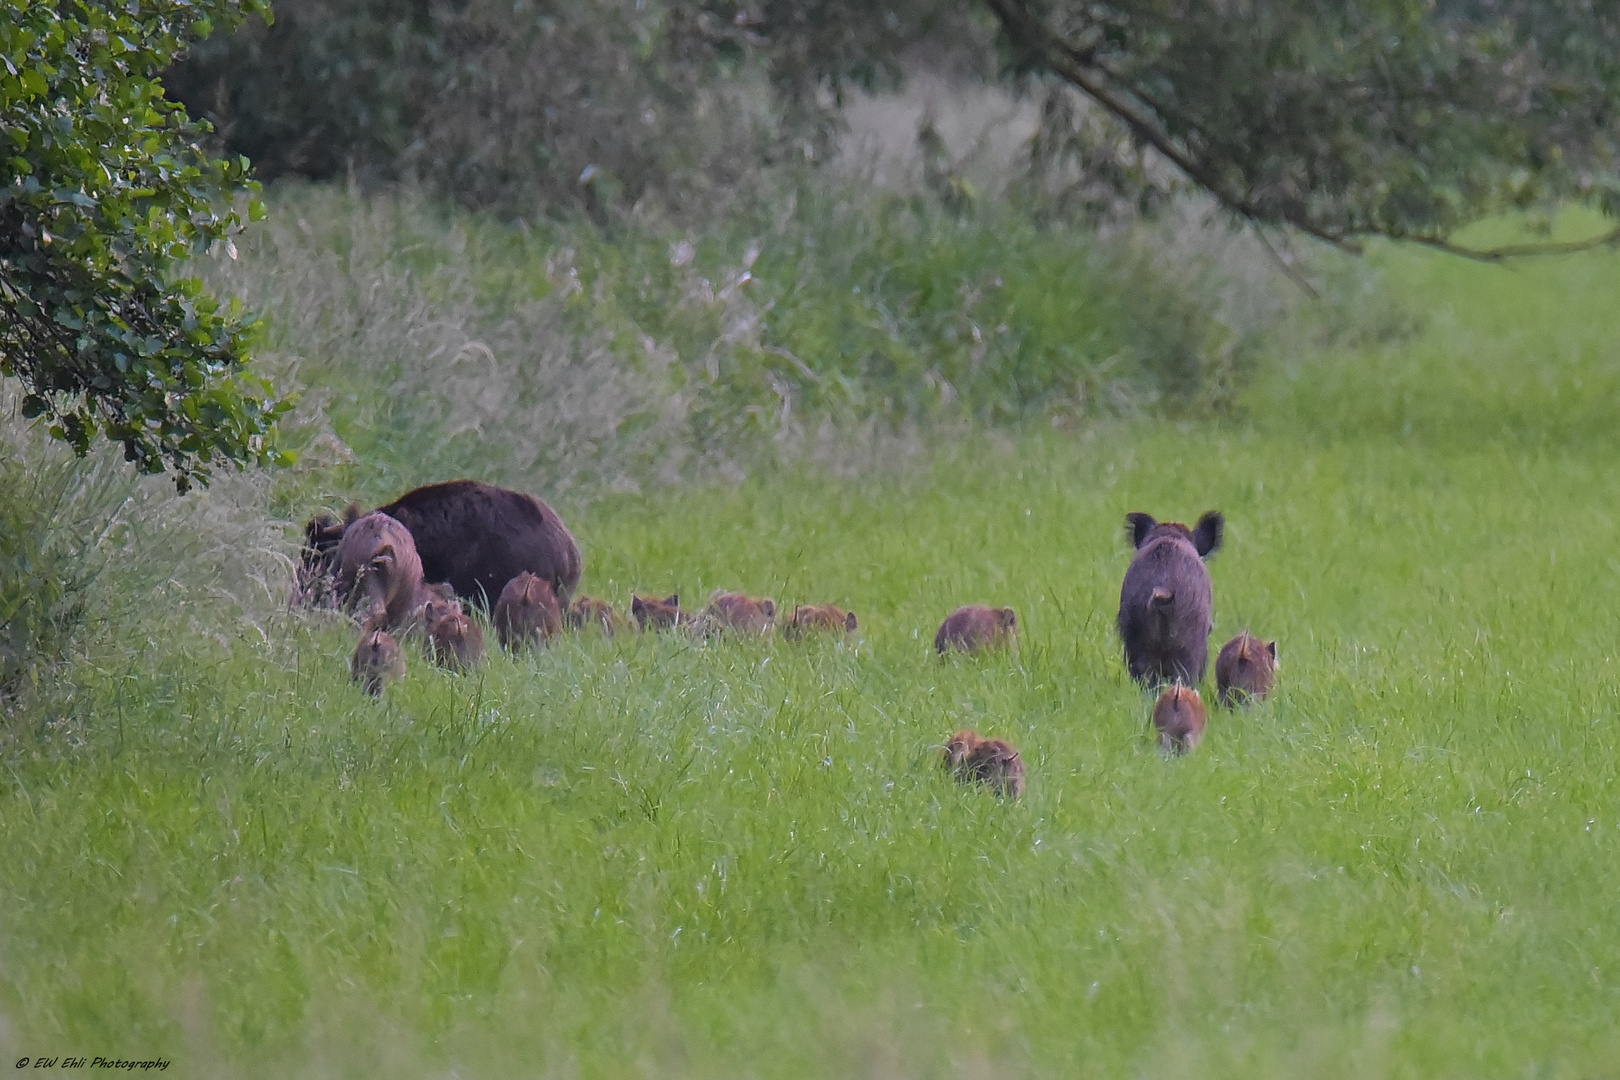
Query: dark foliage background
[[1403, 118], [506, 104]]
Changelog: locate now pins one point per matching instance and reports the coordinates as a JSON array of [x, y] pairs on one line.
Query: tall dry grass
[[87, 547]]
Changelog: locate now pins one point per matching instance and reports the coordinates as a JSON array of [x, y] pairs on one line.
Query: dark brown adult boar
[[814, 618], [990, 762], [1180, 717], [478, 537], [527, 613], [474, 536], [380, 573], [587, 611], [1167, 604], [1245, 670], [740, 614], [975, 628]]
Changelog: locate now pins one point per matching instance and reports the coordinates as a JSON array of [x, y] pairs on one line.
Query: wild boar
[[990, 762], [473, 535], [527, 612], [377, 661], [1166, 605], [1180, 717], [379, 571], [654, 614], [1245, 670], [975, 627], [809, 618], [740, 614], [588, 611]]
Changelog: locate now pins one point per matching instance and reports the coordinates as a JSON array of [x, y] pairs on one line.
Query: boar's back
[[477, 537]]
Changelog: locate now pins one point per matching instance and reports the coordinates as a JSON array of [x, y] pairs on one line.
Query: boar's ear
[[638, 606], [1137, 526], [768, 607], [850, 622], [1209, 533], [351, 514], [382, 556], [1271, 647], [673, 599], [1008, 617]]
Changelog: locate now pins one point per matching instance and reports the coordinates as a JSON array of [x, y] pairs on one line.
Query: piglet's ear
[[850, 622], [768, 607], [1271, 647], [637, 605], [1209, 533], [673, 599], [1137, 527]]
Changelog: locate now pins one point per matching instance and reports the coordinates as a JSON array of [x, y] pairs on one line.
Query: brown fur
[[740, 614], [379, 572], [807, 618], [455, 642], [976, 627], [377, 661], [527, 612], [1167, 601], [653, 614], [588, 610], [470, 534], [990, 762], [1179, 715], [478, 537], [1245, 670]]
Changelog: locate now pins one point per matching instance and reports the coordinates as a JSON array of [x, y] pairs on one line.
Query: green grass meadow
[[651, 857]]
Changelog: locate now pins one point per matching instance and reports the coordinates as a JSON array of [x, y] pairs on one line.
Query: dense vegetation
[[646, 355], [1403, 118]]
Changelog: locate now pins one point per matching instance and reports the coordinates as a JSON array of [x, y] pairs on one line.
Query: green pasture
[[651, 857]]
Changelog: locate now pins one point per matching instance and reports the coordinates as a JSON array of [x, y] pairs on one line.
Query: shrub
[[470, 98], [429, 341], [104, 188]]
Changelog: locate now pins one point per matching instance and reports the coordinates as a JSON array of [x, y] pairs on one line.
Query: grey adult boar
[[1167, 604]]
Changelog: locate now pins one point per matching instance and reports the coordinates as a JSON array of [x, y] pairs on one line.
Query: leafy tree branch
[[105, 187]]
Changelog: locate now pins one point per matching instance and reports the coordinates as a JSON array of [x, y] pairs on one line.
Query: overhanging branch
[[1516, 251], [1071, 66], [1082, 69]]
